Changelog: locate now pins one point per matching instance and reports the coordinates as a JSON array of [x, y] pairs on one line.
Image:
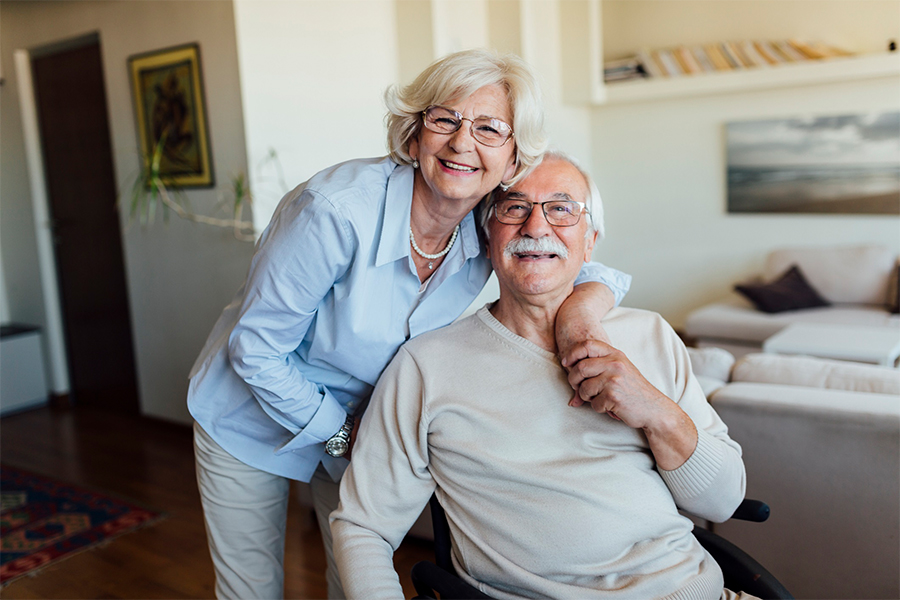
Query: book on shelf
[[670, 65], [789, 51], [730, 56], [753, 54], [828, 51], [806, 50], [651, 67], [623, 69], [765, 53], [777, 52], [718, 59], [738, 53], [687, 61], [703, 59], [711, 58]]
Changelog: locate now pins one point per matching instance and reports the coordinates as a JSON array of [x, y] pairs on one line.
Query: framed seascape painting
[[169, 105], [847, 164]]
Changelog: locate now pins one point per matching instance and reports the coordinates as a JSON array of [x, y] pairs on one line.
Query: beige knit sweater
[[544, 500]]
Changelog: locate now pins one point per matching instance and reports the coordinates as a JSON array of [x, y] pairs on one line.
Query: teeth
[[457, 167]]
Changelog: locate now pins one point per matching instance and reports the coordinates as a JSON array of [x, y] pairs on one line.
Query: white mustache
[[522, 245]]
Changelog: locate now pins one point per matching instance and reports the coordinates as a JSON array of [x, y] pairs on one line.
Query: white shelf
[[787, 75]]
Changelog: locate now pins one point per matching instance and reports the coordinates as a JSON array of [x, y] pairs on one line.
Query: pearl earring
[[415, 164], [505, 186]]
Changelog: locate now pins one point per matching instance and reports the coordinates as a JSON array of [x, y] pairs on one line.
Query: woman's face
[[456, 167]]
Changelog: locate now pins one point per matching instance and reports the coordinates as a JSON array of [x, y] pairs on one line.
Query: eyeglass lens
[[563, 213], [487, 130]]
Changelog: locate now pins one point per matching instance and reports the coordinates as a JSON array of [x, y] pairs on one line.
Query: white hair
[[592, 202], [457, 76]]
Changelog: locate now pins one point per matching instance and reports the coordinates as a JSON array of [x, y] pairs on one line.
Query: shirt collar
[[394, 242]]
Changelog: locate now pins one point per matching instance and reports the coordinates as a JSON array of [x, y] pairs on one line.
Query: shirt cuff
[[325, 423], [618, 282], [699, 471]]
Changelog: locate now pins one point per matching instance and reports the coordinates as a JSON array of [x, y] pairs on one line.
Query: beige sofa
[[821, 443], [859, 281]]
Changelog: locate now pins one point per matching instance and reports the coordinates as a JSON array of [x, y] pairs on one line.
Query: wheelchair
[[742, 573]]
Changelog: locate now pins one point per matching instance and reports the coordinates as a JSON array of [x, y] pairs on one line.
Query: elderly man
[[546, 498]]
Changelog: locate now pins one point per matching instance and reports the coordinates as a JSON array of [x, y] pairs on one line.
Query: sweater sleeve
[[387, 485], [712, 482]]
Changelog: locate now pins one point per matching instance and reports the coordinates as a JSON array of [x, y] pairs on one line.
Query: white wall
[[660, 165], [179, 275], [313, 73]]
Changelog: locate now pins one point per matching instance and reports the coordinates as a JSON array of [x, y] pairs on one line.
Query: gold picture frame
[[167, 87]]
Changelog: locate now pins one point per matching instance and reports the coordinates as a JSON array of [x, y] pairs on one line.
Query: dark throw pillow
[[894, 291], [789, 292]]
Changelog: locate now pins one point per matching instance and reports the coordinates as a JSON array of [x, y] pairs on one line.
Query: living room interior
[[303, 80]]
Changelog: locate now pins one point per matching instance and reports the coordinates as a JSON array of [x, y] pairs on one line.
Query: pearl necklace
[[432, 257]]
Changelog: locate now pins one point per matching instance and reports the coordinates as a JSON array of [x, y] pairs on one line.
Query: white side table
[[878, 345], [22, 380]]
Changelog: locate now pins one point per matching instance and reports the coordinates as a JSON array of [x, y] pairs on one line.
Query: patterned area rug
[[43, 521]]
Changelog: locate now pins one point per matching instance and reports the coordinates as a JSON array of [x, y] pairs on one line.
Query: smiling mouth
[[457, 167], [536, 255]]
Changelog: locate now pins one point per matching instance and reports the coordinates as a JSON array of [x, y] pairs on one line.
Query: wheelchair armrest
[[752, 510], [741, 571]]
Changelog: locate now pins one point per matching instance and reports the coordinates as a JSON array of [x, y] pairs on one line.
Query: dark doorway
[[71, 104]]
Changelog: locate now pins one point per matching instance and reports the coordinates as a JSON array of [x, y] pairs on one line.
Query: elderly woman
[[361, 258]]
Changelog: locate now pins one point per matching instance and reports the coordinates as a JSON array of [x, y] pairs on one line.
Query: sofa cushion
[[790, 291], [841, 274], [736, 319], [812, 372]]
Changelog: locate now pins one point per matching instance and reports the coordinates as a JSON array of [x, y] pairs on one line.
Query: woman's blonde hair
[[457, 76]]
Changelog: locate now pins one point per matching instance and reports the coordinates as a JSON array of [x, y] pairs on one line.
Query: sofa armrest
[[880, 411]]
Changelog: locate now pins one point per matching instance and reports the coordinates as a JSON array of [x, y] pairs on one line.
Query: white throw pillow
[[711, 363], [841, 274], [816, 372]]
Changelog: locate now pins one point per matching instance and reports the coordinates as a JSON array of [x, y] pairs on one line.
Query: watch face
[[336, 447]]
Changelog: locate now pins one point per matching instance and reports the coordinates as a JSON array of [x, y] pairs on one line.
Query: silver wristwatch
[[339, 443]]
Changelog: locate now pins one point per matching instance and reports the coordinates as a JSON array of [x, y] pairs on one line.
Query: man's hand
[[578, 321], [605, 378]]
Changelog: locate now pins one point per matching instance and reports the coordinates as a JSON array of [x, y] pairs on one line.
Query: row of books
[[711, 58]]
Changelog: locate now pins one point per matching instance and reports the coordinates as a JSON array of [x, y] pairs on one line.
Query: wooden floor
[[151, 463]]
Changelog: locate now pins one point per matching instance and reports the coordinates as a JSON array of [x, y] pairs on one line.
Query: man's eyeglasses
[[486, 130], [559, 213]]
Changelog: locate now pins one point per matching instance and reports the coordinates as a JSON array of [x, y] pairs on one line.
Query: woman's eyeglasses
[[486, 130]]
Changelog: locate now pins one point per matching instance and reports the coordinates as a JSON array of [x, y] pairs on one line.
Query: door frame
[[54, 329]]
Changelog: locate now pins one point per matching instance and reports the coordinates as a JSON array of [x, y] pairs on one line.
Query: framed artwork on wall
[[842, 164], [169, 104]]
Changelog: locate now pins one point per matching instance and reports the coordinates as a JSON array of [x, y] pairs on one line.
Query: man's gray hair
[[593, 202]]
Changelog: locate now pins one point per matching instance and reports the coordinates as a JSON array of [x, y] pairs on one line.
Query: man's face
[[535, 258]]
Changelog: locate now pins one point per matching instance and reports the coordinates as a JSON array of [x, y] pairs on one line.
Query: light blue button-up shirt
[[331, 294]]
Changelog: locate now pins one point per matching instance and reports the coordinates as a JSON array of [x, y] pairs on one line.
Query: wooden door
[[81, 187]]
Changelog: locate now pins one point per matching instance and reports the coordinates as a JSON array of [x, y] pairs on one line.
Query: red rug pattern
[[43, 520]]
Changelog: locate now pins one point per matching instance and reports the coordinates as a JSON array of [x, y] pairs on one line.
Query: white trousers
[[245, 510]]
